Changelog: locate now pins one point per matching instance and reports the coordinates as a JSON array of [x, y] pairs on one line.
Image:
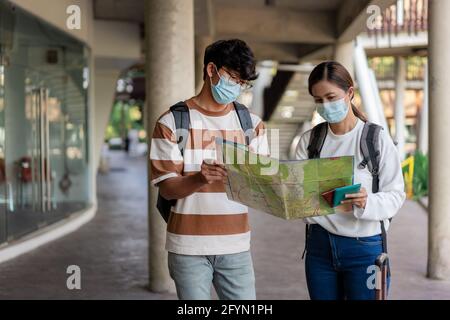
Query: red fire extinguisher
[[25, 169]]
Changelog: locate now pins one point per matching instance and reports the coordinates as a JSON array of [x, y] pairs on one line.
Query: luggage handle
[[382, 262]]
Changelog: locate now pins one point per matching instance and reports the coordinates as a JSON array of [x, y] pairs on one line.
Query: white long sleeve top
[[379, 206]]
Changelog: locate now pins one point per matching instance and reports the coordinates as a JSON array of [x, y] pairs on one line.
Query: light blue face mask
[[333, 111], [224, 91]]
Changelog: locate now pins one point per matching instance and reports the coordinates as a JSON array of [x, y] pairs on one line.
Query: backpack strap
[[245, 120], [317, 139], [307, 229], [383, 236], [370, 149], [180, 112]]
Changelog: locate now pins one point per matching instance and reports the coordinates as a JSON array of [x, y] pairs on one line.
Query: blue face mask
[[224, 91], [333, 111]]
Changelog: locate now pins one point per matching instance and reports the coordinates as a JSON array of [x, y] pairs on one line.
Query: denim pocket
[[370, 241]]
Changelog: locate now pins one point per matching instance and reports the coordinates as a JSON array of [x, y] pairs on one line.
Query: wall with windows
[[57, 88], [44, 131]]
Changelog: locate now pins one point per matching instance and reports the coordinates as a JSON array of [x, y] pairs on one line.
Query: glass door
[[25, 155], [3, 183], [40, 155], [7, 22], [43, 124]]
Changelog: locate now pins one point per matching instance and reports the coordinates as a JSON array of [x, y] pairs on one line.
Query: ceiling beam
[[323, 53], [204, 18], [274, 51], [130, 10], [276, 24], [352, 17]]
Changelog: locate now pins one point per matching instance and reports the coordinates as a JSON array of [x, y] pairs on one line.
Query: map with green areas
[[286, 189]]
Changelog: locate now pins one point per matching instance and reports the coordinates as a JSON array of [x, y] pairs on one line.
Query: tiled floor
[[112, 251]]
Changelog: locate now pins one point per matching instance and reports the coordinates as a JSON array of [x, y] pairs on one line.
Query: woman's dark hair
[[234, 55], [335, 73]]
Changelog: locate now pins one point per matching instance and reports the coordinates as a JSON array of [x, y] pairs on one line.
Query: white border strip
[[47, 234]]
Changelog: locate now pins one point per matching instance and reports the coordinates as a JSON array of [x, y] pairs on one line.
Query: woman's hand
[[358, 199]]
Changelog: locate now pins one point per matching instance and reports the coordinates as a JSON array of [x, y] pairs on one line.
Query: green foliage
[[420, 178], [124, 117]]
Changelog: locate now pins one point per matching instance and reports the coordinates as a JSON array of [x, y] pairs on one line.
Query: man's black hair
[[233, 54]]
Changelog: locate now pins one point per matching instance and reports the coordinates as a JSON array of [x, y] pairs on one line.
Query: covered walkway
[[112, 251]]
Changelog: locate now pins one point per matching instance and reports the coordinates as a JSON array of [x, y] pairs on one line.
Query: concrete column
[[170, 77], [399, 113], [343, 53], [201, 42], [364, 84], [422, 143], [439, 124], [378, 102]]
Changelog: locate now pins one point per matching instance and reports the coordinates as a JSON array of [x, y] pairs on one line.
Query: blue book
[[339, 193]]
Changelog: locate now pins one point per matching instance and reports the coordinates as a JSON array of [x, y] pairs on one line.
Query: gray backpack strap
[[180, 112], [370, 149], [317, 139], [245, 120]]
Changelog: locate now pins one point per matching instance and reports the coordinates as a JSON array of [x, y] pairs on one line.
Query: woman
[[342, 248]]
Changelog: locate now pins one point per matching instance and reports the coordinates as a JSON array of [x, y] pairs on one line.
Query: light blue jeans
[[231, 274]]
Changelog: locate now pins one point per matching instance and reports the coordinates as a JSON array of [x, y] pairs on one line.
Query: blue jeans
[[340, 267], [231, 274]]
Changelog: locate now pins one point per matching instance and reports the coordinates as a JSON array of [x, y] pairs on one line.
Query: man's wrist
[[197, 179]]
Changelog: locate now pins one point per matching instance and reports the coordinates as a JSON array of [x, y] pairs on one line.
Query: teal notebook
[[339, 193]]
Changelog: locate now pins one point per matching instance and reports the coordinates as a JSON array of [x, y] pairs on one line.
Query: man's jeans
[[231, 274], [340, 267]]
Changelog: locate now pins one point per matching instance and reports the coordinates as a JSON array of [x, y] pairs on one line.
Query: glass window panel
[[44, 124]]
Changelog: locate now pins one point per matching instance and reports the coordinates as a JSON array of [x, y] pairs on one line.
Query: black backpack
[[180, 113], [370, 149]]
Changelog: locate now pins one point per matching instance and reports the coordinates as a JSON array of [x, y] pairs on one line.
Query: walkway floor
[[111, 251]]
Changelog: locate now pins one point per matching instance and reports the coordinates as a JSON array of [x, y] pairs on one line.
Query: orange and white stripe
[[205, 222]]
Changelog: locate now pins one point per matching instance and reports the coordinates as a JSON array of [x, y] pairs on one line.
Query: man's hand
[[183, 186], [211, 172], [358, 199]]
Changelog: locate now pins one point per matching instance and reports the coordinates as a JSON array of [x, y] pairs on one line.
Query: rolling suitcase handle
[[382, 262]]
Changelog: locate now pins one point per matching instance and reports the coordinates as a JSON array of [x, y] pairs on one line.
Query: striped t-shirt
[[205, 222]]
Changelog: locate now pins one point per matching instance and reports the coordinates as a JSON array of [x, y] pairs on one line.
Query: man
[[208, 236]]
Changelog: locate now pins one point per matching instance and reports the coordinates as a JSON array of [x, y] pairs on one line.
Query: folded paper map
[[286, 189]]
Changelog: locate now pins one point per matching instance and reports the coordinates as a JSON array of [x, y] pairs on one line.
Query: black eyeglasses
[[233, 80]]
